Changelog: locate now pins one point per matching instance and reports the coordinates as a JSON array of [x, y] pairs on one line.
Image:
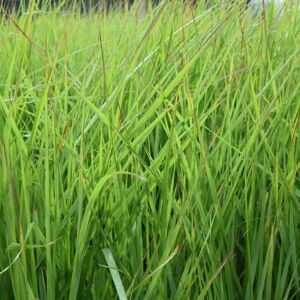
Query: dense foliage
[[150, 158]]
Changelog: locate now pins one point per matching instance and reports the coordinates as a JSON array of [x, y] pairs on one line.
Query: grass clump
[[150, 158]]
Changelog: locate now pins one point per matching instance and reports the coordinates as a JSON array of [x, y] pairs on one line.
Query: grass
[[150, 158]]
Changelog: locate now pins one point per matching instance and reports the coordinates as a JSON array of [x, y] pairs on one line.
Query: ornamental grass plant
[[149, 157]]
